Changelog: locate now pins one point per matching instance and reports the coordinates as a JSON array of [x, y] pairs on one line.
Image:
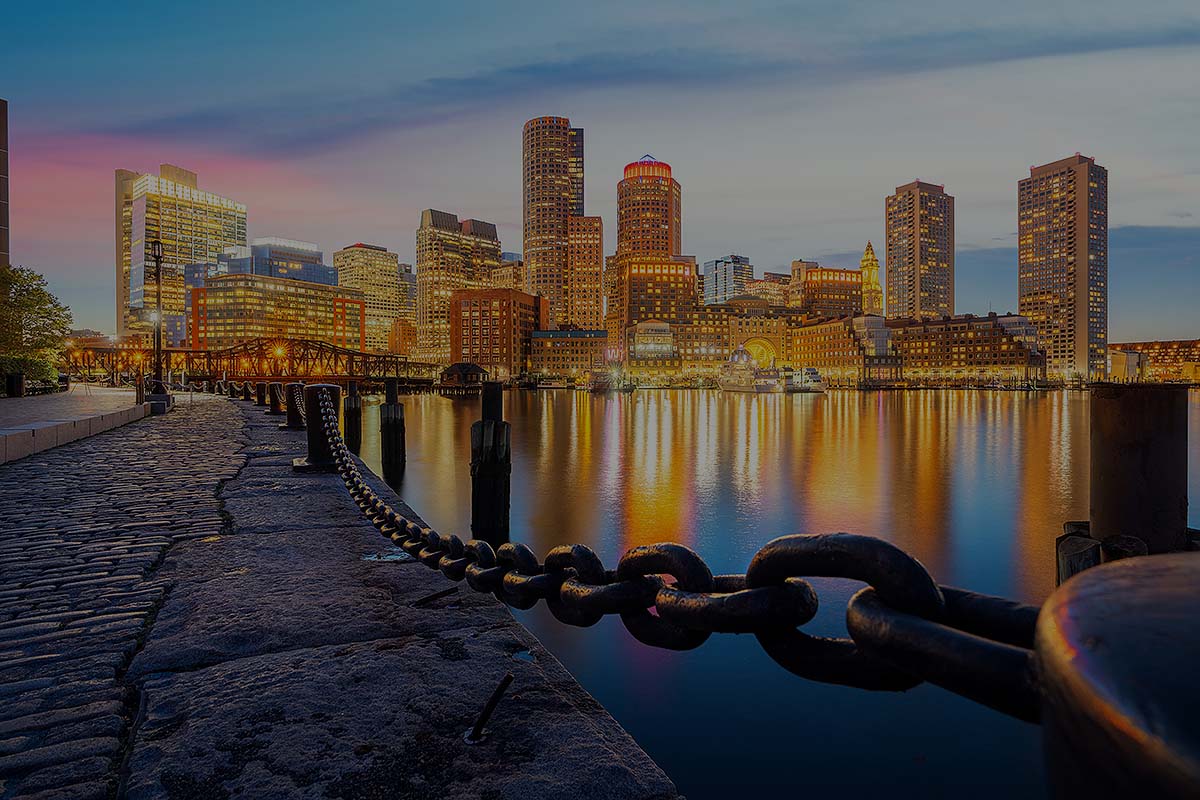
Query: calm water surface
[[975, 484]]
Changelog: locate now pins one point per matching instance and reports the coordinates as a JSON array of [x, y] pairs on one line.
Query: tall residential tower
[[374, 271], [1062, 255], [920, 251], [552, 201]]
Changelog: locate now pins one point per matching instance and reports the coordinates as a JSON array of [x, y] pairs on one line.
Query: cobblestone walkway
[[82, 400], [83, 530]]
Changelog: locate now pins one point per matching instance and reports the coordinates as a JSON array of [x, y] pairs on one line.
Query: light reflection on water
[[975, 484]]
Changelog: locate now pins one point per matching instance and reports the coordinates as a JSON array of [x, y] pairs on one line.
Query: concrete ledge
[[19, 441]]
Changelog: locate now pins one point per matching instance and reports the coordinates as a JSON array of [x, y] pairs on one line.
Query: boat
[[628, 387], [552, 383], [741, 374], [805, 380]]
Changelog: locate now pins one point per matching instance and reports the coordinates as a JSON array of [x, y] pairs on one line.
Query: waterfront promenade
[[182, 616]]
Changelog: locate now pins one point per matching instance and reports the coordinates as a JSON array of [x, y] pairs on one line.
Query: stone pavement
[[256, 637], [83, 530], [82, 400]]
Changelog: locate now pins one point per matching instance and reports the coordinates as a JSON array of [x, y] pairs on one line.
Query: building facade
[[585, 273], [5, 233], [872, 291], [920, 251], [230, 309], [1173, 360], [567, 354], [1062, 255], [773, 287], [452, 256], [828, 292], [374, 271], [552, 193], [969, 349], [509, 275], [492, 328], [194, 227], [851, 351], [726, 278]]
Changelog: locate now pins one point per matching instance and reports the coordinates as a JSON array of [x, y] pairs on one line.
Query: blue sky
[[786, 124]]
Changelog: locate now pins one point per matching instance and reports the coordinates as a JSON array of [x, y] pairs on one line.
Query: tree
[[33, 324]]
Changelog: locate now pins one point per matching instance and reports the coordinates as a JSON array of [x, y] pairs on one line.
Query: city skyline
[[799, 173]]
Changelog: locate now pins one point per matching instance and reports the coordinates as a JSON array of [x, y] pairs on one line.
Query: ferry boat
[[552, 383], [740, 374], [805, 381]]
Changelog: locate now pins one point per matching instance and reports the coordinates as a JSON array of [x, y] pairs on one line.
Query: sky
[[786, 123]]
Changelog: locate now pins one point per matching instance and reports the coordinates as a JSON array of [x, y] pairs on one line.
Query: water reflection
[[974, 484]]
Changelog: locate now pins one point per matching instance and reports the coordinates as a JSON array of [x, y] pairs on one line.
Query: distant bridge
[[261, 358]]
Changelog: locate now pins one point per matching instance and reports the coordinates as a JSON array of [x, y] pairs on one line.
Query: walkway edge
[[19, 441]]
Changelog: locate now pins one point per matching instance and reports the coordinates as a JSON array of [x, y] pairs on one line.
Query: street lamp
[[156, 254]]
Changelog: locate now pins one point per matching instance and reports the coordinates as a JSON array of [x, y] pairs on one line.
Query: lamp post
[[156, 254]]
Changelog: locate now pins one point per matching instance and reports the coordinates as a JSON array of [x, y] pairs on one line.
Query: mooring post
[[295, 396], [491, 468], [275, 398], [352, 419], [260, 393], [234, 391], [1115, 663], [247, 391], [391, 431], [320, 457], [1139, 464]]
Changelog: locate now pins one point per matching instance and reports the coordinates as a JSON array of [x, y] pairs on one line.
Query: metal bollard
[[260, 393], [491, 469], [392, 444], [234, 391], [352, 419], [247, 392], [1139, 464], [1115, 660], [295, 395], [320, 457], [275, 398]]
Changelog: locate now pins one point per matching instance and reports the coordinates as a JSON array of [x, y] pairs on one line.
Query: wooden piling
[[352, 419], [392, 443], [491, 469]]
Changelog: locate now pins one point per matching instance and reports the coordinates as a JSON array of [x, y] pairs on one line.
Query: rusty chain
[[904, 627]]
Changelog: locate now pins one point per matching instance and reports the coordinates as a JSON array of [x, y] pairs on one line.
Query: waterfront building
[[726, 278], [194, 227], [5, 234], [551, 195], [1126, 366], [277, 257], [647, 276], [828, 292], [1062, 253], [968, 349], [773, 287], [492, 328], [872, 291], [374, 271], [230, 309], [452, 256], [1171, 360], [567, 354], [850, 351], [402, 339], [800, 268], [585, 267], [920, 251]]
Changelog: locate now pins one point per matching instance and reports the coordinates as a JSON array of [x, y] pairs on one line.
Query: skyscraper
[[648, 209], [194, 227], [872, 292], [451, 256], [374, 271], [650, 280], [551, 193], [5, 246], [1062, 256], [920, 251], [585, 269], [725, 278]]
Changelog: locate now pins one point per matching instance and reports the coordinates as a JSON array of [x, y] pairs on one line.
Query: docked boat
[[741, 374], [805, 381], [552, 384]]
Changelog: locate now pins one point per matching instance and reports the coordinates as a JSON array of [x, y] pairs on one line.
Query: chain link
[[904, 628]]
